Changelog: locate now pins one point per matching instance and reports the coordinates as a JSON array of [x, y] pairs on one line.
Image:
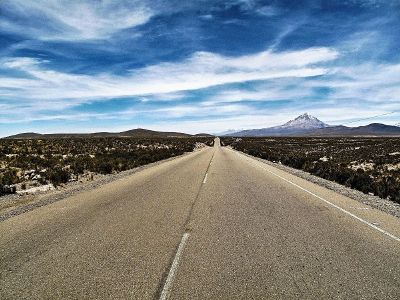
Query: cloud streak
[[292, 76], [201, 70], [74, 19]]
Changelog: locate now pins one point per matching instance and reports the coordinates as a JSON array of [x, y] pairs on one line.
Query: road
[[214, 224]]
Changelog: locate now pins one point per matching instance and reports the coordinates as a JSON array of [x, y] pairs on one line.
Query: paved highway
[[214, 224]]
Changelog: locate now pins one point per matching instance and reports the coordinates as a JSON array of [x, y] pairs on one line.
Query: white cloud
[[199, 111], [268, 11], [74, 19], [373, 87], [263, 93], [376, 3], [206, 17], [375, 83], [201, 70]]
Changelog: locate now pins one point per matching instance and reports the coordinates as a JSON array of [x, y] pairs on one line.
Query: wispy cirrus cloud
[[292, 76], [201, 70], [369, 82], [72, 19], [41, 93], [276, 90]]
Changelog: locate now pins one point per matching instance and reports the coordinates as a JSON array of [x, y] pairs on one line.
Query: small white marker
[[205, 178], [171, 275]]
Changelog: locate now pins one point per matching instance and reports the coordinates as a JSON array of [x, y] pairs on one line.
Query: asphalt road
[[214, 224]]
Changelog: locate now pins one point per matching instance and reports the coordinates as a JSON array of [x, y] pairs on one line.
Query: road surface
[[214, 224]]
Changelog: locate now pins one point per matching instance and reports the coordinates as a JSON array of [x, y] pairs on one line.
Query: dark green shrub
[[58, 176]]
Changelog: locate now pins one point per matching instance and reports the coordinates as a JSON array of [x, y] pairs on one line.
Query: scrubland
[[29, 164]]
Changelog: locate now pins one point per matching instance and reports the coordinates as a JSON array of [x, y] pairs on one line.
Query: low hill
[[138, 132], [26, 135], [374, 129], [204, 134]]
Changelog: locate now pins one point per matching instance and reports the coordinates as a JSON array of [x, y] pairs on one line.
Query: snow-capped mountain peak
[[307, 125], [305, 121]]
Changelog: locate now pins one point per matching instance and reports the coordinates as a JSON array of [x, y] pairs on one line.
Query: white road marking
[[205, 178], [333, 205], [362, 208], [171, 275]]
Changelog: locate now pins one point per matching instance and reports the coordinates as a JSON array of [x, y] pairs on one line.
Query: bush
[[9, 177], [105, 168], [58, 176]]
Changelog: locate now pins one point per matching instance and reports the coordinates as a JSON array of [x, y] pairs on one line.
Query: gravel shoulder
[[384, 205], [14, 205]]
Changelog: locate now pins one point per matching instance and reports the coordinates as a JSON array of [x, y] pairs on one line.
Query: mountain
[[139, 132], [227, 132], [304, 121], [374, 129], [307, 125], [27, 135], [299, 126], [203, 135]]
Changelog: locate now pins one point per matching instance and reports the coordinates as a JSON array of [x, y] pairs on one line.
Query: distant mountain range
[[227, 132], [307, 125], [139, 132], [303, 125]]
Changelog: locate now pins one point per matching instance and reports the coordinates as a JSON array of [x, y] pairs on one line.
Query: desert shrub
[[58, 176], [9, 177], [105, 168]]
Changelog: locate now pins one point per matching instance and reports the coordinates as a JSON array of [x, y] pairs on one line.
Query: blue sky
[[196, 66]]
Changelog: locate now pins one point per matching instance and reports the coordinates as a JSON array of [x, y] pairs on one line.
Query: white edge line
[[171, 275], [205, 178], [333, 205]]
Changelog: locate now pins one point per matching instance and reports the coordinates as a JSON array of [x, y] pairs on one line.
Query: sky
[[196, 66]]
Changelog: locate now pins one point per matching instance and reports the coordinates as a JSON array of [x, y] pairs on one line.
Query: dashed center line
[[174, 267], [172, 272]]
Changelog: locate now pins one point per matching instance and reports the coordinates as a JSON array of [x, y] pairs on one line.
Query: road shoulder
[[341, 204], [384, 205], [15, 205]]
